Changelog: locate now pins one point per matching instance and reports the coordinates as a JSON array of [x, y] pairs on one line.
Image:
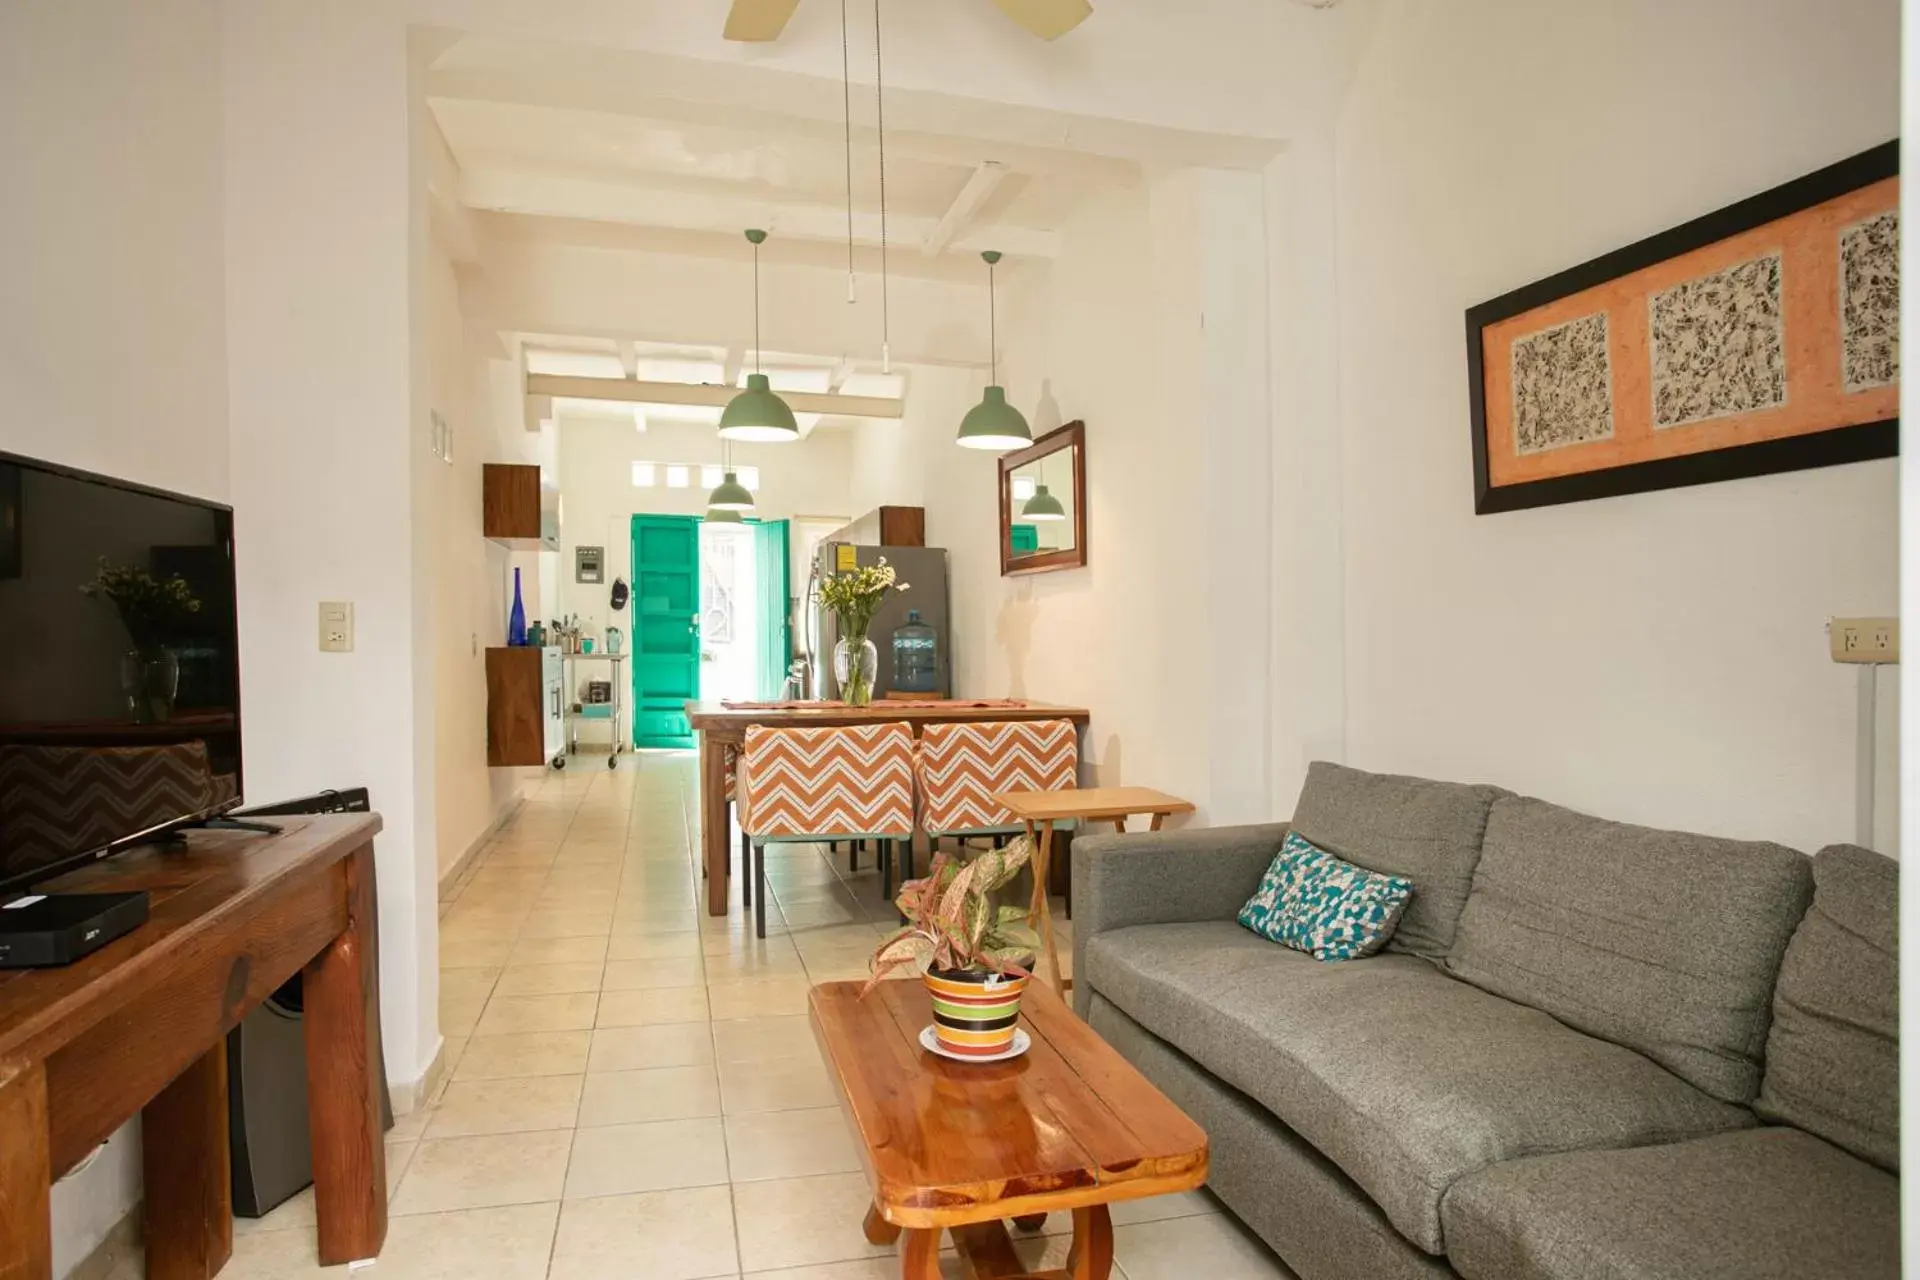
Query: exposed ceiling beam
[[711, 395], [981, 184], [658, 205]]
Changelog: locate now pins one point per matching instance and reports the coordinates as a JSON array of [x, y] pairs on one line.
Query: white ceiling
[[676, 146]]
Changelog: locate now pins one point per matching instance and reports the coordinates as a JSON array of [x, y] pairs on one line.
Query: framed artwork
[[1760, 338]]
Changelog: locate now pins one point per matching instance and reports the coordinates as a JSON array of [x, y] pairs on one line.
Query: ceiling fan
[[758, 20]]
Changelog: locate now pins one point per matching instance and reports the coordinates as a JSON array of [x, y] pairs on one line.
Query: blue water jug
[[916, 657]]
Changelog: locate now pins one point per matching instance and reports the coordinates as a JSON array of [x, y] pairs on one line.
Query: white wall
[[113, 351], [467, 575], [1110, 333], [326, 295], [112, 340], [1656, 658]]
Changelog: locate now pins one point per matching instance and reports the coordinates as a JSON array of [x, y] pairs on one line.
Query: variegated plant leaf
[[909, 946]]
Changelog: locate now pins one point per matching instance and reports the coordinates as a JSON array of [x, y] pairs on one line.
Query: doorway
[[711, 619], [666, 628]]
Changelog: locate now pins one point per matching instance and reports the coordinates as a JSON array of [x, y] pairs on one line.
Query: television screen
[[119, 666]]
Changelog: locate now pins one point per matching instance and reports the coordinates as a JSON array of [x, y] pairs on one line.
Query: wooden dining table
[[722, 725]]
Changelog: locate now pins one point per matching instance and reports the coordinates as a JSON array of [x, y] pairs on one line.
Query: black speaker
[[267, 1135]]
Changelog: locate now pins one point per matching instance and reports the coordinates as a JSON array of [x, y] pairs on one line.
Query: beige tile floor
[[632, 1090]]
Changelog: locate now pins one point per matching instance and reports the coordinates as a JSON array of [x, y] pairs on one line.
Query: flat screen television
[[119, 666]]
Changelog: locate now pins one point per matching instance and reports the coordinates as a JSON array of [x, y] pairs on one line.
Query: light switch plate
[[1864, 640], [336, 626]]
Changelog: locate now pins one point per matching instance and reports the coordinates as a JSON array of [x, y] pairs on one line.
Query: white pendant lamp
[[757, 414]]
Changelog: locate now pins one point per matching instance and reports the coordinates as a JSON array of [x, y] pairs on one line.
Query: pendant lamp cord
[[993, 331], [880, 114], [756, 306], [846, 120]]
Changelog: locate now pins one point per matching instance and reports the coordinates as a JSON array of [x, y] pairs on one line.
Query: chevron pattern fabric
[[816, 783], [61, 800], [730, 763], [960, 767]]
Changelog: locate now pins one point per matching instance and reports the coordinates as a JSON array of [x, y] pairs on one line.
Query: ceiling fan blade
[[759, 20], [1048, 19]]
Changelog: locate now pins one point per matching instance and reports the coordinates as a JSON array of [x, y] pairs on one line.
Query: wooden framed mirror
[[1043, 503]]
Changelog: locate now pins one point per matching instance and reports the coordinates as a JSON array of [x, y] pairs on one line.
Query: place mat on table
[[791, 705]]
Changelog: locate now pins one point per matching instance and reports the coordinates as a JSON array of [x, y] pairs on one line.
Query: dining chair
[[961, 767], [850, 782]]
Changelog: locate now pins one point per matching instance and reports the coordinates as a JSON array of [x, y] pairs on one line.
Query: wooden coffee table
[[1070, 1126]]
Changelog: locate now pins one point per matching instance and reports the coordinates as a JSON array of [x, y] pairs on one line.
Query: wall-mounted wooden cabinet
[[886, 527], [517, 510], [525, 725]]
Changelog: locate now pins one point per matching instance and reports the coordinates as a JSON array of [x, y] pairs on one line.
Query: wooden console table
[[721, 726], [140, 1026]]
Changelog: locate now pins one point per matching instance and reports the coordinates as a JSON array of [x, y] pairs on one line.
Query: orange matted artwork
[[1760, 338]]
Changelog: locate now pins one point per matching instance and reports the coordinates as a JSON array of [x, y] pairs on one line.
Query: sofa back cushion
[[1661, 941], [1424, 831], [1833, 1055]]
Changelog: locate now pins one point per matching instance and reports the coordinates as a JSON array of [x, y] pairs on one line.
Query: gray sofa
[[1591, 1050]]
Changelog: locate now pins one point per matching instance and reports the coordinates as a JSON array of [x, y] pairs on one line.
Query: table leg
[[1046, 907], [1039, 894], [920, 1255], [188, 1217], [1091, 1257], [26, 1230], [1159, 820], [713, 821], [878, 1230], [1120, 826], [343, 1093]]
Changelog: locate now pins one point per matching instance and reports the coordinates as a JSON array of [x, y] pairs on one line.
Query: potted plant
[[975, 958], [852, 595], [155, 614]]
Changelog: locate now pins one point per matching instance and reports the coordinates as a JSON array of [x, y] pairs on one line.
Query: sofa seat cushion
[[1402, 1076], [1662, 941], [1833, 1055], [1766, 1204]]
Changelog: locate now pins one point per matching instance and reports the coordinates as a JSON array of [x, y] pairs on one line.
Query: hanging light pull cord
[[846, 120], [880, 114]]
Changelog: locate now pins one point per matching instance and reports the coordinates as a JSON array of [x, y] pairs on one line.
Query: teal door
[[773, 577], [666, 628]]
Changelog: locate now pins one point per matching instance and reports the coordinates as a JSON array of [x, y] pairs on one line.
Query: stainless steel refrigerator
[[924, 569]]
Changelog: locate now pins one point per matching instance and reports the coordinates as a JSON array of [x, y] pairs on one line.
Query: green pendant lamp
[[731, 495], [757, 414], [1042, 506], [724, 515], [993, 423]]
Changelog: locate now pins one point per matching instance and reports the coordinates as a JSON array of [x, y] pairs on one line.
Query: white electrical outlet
[[1864, 640], [336, 626]]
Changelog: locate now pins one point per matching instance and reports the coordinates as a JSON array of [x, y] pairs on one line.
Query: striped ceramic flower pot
[[974, 1014]]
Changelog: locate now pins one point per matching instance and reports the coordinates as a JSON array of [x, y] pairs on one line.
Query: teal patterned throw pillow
[[1312, 901]]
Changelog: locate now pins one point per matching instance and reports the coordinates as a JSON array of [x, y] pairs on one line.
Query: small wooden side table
[[1042, 809]]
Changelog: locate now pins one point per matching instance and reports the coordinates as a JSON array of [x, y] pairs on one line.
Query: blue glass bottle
[[517, 619]]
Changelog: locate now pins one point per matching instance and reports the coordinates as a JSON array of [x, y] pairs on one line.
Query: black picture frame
[[1859, 443]]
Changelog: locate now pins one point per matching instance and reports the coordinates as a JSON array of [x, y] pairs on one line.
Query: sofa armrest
[[1164, 877]]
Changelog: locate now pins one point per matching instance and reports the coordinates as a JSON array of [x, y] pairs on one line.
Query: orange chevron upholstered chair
[[846, 783], [961, 767]]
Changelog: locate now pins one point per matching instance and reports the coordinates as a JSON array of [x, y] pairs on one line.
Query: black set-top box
[[42, 930]]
